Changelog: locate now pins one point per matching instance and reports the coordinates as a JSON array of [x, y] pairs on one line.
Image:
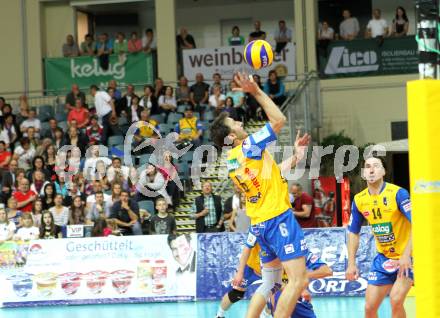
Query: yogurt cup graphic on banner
[[21, 284], [121, 280], [46, 283], [95, 281], [70, 282]]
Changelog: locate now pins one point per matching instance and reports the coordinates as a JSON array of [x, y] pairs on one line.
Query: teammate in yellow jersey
[[253, 169], [387, 208]]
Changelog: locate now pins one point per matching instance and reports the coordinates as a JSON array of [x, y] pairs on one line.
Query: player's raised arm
[[276, 117], [354, 228]]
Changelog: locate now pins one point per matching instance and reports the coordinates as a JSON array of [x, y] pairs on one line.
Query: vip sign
[[75, 231], [342, 60]]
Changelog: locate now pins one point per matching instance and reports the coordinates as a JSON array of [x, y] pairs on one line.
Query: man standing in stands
[[73, 95], [302, 204], [105, 109], [257, 34], [349, 28], [208, 211]]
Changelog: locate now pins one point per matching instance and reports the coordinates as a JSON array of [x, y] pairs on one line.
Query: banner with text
[[61, 73], [369, 57], [229, 59], [218, 256], [98, 270]]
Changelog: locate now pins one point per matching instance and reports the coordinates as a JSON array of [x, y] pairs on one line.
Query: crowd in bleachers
[[41, 178]]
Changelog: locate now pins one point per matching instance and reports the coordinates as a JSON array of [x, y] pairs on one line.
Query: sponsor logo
[[341, 60], [313, 258], [366, 213], [116, 70], [254, 199], [246, 144], [407, 206], [251, 239], [338, 285], [261, 135], [289, 249], [252, 177], [385, 202], [372, 276], [382, 228], [232, 164], [390, 266], [386, 238], [303, 245]]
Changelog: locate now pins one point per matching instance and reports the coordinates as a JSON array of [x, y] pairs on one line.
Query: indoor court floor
[[328, 307]]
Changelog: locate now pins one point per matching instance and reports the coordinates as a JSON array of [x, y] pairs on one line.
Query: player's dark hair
[[381, 159], [219, 130]]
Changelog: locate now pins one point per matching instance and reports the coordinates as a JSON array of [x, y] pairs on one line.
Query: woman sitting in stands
[[48, 229], [275, 88], [77, 212]]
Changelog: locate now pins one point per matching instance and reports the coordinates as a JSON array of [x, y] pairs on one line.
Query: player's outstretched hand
[[352, 272], [245, 83], [404, 266], [237, 280], [301, 143]]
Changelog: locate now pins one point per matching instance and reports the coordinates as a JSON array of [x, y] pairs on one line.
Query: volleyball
[[258, 54]]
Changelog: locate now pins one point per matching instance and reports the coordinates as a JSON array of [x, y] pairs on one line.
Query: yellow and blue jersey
[[389, 214], [252, 168]]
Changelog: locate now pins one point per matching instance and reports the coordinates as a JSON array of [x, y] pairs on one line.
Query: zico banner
[[229, 59], [61, 73], [98, 270], [370, 57]]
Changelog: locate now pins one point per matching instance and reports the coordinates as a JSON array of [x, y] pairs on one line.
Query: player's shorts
[[280, 237], [249, 277], [383, 271], [303, 309]]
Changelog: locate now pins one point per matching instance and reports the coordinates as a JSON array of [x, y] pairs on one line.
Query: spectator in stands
[[149, 100], [217, 78], [169, 172], [38, 182], [94, 131], [104, 47], [275, 88], [90, 165], [199, 94], [9, 133], [80, 114], [257, 34], [229, 108], [133, 112], [167, 102], [5, 157], [377, 27], [37, 211], [326, 33], [145, 130], [117, 172], [14, 214], [149, 44], [120, 46], [127, 99], [302, 204], [7, 110], [73, 95], [159, 87], [98, 209], [24, 154], [88, 47], [400, 23], [48, 198], [50, 133], [74, 138], [7, 228], [240, 222], [59, 138], [282, 35], [8, 180], [59, 211], [97, 187], [60, 186], [208, 211], [32, 121], [185, 40], [77, 212], [28, 231], [112, 84], [33, 139], [50, 159], [101, 228], [239, 100], [236, 38], [154, 182], [116, 190], [24, 110], [349, 27], [48, 228], [24, 196], [134, 44], [217, 99], [162, 222], [38, 164], [183, 92], [105, 109], [70, 48], [189, 128], [126, 215]]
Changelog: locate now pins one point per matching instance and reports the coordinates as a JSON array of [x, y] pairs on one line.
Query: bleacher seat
[[209, 116], [147, 205], [173, 118], [115, 140], [159, 118], [60, 108], [45, 112], [61, 116], [181, 108], [165, 129], [187, 157], [63, 125]]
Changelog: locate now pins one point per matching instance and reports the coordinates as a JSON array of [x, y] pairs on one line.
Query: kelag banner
[[61, 73], [98, 270], [370, 57], [218, 256], [229, 59], [154, 268]]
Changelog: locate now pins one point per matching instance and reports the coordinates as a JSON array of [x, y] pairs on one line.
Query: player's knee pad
[[235, 295], [271, 281]]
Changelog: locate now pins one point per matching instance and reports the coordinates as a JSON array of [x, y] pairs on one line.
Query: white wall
[[204, 25], [388, 9]]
